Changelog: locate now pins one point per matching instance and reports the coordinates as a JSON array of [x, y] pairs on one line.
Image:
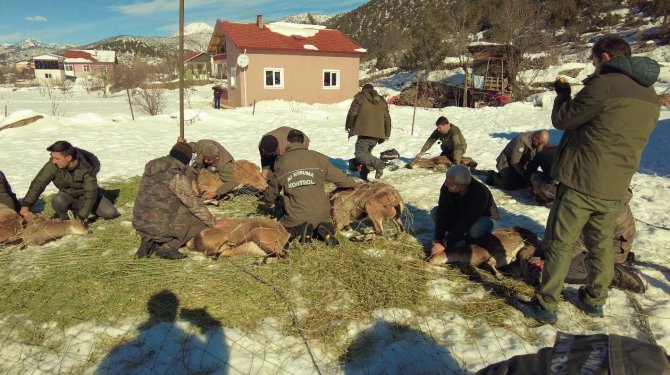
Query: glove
[[562, 86]]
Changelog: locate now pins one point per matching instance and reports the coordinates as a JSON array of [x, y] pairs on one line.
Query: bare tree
[[65, 87], [128, 77], [520, 26], [465, 21], [150, 100], [105, 78]]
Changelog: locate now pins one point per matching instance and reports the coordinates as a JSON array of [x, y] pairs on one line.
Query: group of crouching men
[[584, 178]]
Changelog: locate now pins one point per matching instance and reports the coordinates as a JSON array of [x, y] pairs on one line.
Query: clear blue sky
[[87, 21]]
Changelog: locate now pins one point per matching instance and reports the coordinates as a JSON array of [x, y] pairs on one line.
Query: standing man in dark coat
[[465, 210], [167, 214], [73, 171], [606, 127], [217, 95], [210, 155], [300, 173], [512, 161], [7, 196], [451, 140], [369, 119], [271, 146]]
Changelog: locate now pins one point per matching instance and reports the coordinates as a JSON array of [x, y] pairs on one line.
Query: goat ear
[[70, 214]]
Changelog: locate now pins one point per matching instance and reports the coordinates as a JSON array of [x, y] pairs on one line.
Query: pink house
[[87, 63], [294, 62]]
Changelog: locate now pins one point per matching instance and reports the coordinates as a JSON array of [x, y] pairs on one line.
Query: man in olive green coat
[[271, 146], [606, 127], [300, 173], [451, 139], [369, 119], [167, 214], [514, 158], [73, 171], [215, 158], [7, 196]]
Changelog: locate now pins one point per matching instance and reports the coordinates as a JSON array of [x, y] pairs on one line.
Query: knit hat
[[368, 86], [182, 152], [210, 150], [268, 145]]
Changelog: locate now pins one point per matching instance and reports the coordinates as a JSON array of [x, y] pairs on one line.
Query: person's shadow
[[392, 348], [164, 346]]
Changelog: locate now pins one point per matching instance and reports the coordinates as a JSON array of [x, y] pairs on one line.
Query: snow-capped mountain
[[307, 18], [197, 28]]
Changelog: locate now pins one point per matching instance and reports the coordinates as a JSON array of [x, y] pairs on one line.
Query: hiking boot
[[306, 233], [327, 235], [391, 167], [379, 173], [169, 253], [147, 247], [588, 309], [630, 259], [533, 309], [363, 174], [626, 279]]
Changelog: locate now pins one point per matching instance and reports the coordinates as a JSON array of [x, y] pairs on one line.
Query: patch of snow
[[291, 29]]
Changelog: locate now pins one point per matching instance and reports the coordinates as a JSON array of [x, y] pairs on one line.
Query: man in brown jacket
[[210, 155], [7, 196], [369, 119], [300, 173], [73, 171], [167, 214], [512, 161], [271, 146]]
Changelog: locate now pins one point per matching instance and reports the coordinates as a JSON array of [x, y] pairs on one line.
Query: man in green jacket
[[215, 158], [369, 119], [7, 196], [271, 146], [300, 173], [514, 159], [451, 139], [606, 127], [73, 171]]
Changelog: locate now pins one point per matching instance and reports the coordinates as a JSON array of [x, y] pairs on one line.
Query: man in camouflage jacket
[[167, 214], [73, 171], [215, 158]]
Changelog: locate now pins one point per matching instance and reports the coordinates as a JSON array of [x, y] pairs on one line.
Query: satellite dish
[[242, 61]]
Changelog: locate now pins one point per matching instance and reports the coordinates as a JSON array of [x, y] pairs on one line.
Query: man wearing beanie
[[465, 210], [369, 119], [210, 155], [271, 146], [451, 139], [167, 213]]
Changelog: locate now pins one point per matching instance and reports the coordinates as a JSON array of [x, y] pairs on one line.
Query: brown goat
[[11, 224], [375, 200], [439, 162], [246, 173], [41, 230], [664, 99], [502, 247], [257, 237]]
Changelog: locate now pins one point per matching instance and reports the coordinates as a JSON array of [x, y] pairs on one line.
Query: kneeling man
[[465, 210]]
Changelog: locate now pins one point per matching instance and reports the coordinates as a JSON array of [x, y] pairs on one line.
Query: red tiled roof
[[250, 36], [190, 55], [79, 54]]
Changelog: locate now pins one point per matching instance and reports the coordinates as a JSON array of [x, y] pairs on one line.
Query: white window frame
[[233, 77], [69, 67], [274, 71], [337, 79]]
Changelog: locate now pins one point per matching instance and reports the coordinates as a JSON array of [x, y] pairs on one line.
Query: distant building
[[49, 67], [22, 66], [87, 63], [197, 65], [305, 63]]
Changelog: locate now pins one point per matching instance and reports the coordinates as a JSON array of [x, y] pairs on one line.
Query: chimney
[[259, 21]]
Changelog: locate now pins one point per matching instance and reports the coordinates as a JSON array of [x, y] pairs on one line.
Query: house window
[[274, 78], [46, 64], [47, 75], [68, 67], [233, 77], [331, 79], [86, 68]]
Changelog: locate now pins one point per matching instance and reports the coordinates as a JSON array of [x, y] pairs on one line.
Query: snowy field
[[104, 126]]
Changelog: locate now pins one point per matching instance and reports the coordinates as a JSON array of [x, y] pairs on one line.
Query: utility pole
[[181, 68]]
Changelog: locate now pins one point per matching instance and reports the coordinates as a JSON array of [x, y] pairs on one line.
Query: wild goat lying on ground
[[35, 229], [439, 162], [499, 249], [256, 237], [375, 200], [247, 174]]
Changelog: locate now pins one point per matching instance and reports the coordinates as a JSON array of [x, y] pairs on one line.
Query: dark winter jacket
[[517, 154], [165, 205], [543, 160], [453, 143], [218, 90], [224, 167], [7, 196], [280, 135], [369, 116], [300, 173], [79, 182], [456, 213], [606, 127]]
